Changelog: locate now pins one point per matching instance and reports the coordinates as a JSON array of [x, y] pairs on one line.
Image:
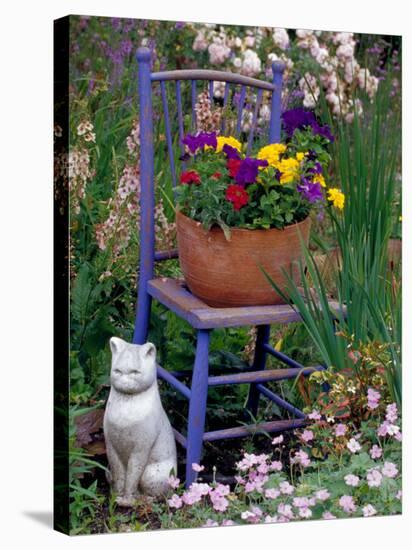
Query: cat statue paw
[[140, 444]]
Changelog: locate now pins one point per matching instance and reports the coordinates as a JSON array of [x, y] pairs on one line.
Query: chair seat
[[176, 296]]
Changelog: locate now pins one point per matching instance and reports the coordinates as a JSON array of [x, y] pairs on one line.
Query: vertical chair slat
[[240, 109], [254, 120], [194, 98], [225, 99], [274, 129], [168, 132], [180, 115], [211, 92]]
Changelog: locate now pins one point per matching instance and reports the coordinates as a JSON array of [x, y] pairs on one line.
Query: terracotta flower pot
[[226, 273]]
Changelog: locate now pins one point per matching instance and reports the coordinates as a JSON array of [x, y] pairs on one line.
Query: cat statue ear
[[117, 344], [140, 443]]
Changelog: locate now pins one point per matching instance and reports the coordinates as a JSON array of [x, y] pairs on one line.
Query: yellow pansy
[[271, 153], [227, 140], [337, 197], [300, 156], [318, 178], [289, 168]]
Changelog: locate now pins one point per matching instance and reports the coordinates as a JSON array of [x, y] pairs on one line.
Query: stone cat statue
[[140, 443]]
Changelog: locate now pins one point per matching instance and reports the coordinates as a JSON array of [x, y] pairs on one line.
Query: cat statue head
[[133, 366]]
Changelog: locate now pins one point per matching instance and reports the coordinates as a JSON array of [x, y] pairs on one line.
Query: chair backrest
[[145, 82]]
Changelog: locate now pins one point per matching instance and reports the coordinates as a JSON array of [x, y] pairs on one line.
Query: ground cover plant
[[347, 461]]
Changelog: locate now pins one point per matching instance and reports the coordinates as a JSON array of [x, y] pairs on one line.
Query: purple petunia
[[248, 171], [230, 152], [299, 118], [316, 169], [199, 140], [312, 192]]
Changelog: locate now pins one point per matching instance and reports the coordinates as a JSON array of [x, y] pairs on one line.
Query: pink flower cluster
[[256, 468], [373, 398]]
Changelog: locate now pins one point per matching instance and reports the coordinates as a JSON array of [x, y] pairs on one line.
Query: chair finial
[[143, 54], [278, 66]]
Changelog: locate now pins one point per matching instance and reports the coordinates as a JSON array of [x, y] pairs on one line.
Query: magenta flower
[[314, 415], [353, 445], [391, 413], [277, 440], [307, 436], [322, 494], [347, 503], [301, 458], [328, 515], [374, 478], [275, 466], [210, 523], [175, 501], [351, 480], [389, 469], [272, 493], [285, 510], [340, 430], [375, 452], [174, 482], [373, 398], [286, 488], [369, 511]]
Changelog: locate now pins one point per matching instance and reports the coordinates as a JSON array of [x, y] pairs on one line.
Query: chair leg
[[197, 404], [259, 361], [141, 327]]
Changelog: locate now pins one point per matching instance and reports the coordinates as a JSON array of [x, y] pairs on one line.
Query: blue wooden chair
[[175, 296]]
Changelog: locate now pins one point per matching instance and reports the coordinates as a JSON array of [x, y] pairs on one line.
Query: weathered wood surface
[[244, 431], [261, 376], [206, 74], [173, 294]]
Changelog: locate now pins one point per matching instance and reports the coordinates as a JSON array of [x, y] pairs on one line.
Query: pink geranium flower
[[369, 511], [353, 445], [373, 398], [277, 440], [301, 458], [210, 523], [328, 515], [175, 501], [375, 452], [340, 430], [374, 478], [315, 415], [286, 488], [272, 493], [275, 466], [174, 482], [197, 468], [389, 469], [307, 436], [391, 413], [351, 480], [322, 494], [347, 503]]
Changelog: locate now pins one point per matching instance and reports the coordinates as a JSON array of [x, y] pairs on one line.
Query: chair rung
[[261, 376], [180, 438], [173, 381], [244, 431]]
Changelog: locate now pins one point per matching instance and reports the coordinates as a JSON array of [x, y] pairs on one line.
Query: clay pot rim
[[238, 230]]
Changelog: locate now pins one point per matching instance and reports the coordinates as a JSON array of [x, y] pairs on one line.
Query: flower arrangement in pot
[[239, 214]]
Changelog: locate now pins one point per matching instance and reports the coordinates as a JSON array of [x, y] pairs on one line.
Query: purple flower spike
[[230, 152], [200, 140], [312, 192], [248, 171]]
